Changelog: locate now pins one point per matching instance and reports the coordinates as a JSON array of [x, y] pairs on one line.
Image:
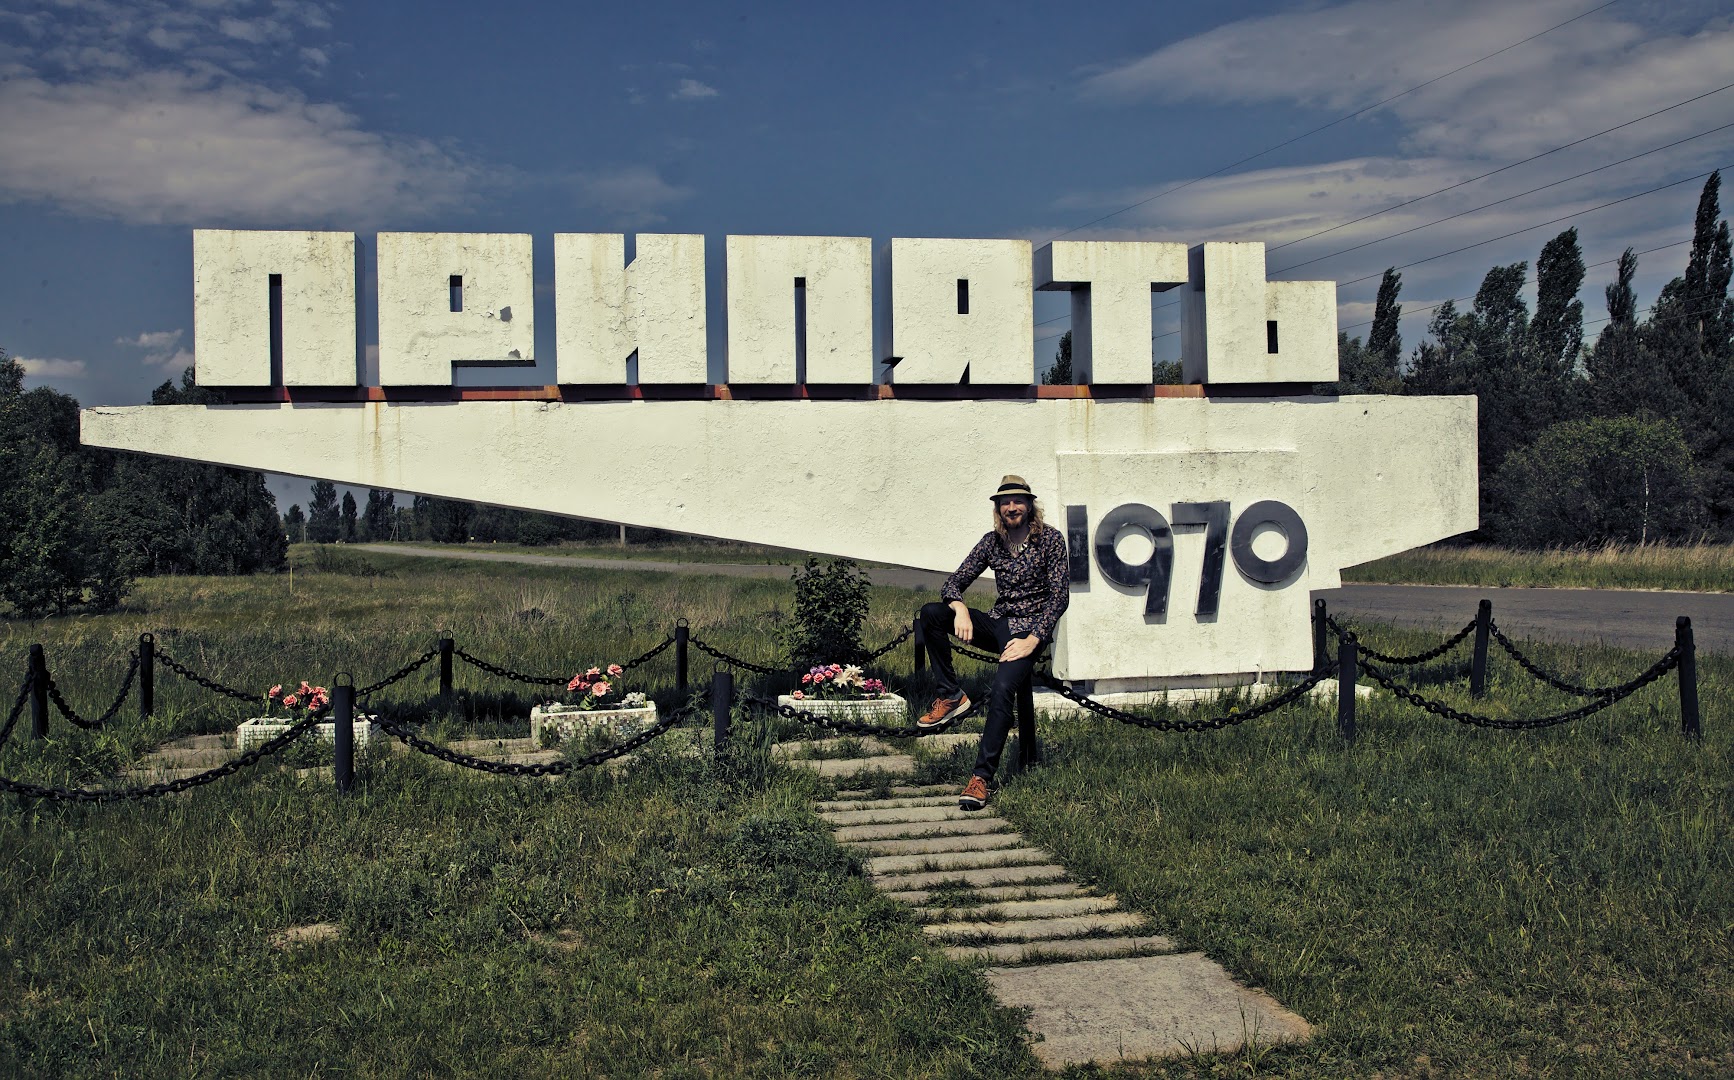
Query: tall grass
[[1695, 567]]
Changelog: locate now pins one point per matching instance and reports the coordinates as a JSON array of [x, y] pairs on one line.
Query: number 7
[[1214, 517]]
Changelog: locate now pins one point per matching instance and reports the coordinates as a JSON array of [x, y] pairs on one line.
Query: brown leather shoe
[[944, 710], [975, 794]]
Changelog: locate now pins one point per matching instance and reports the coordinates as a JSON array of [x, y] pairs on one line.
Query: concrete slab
[[943, 743], [897, 813], [807, 748], [1029, 952], [955, 860], [947, 798], [934, 845], [988, 892], [902, 791], [891, 763], [893, 830], [987, 875], [1034, 908], [1132, 1008], [1037, 929]]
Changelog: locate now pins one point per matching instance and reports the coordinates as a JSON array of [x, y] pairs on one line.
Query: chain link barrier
[[167, 787], [17, 707], [1402, 661], [1613, 695], [889, 645], [1214, 723], [550, 680], [399, 675], [67, 710], [552, 768], [734, 661], [837, 723], [1554, 681], [209, 684]]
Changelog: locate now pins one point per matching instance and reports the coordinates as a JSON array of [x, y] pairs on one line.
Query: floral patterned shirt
[[1033, 583]]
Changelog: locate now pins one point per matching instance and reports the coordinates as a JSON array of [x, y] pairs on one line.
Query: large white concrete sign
[[1198, 517]]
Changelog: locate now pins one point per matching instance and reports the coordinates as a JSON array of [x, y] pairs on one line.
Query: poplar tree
[[323, 524]]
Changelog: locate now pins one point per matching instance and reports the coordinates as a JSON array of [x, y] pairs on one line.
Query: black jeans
[[991, 635]]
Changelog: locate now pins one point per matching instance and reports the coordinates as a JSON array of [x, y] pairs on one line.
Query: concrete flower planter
[[886, 709], [565, 721], [262, 729]]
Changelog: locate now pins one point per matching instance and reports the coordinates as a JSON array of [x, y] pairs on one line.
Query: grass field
[[1437, 901], [1699, 567]]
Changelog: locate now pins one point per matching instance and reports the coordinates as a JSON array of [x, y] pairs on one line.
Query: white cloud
[[692, 90], [160, 349], [169, 146], [632, 194], [151, 112], [52, 368]]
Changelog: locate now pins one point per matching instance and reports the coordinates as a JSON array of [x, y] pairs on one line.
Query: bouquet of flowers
[[304, 699], [839, 682], [599, 688]]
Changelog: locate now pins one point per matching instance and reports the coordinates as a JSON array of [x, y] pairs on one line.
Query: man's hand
[[1020, 648], [961, 624]]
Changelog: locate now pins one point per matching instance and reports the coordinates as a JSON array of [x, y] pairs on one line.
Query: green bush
[[830, 604]]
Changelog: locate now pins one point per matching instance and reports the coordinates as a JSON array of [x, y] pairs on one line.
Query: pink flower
[[593, 672], [304, 687], [271, 694], [797, 695], [599, 689], [290, 701], [807, 678], [616, 669], [578, 682]]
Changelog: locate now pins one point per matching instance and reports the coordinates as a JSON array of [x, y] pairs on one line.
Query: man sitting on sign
[[1031, 578]]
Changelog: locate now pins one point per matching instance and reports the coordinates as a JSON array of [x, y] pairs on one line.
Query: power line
[[1502, 168], [1497, 202], [1333, 123]]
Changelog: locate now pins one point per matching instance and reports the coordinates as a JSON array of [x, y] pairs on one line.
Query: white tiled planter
[[886, 709], [262, 729], [566, 721]]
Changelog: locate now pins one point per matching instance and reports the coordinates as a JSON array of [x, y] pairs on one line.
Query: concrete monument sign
[[1199, 517]]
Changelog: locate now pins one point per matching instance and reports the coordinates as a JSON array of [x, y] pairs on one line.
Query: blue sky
[[124, 125]]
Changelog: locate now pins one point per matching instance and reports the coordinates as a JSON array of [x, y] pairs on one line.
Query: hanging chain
[[889, 645], [1666, 664], [735, 661], [1265, 707], [67, 711], [1557, 683], [167, 787], [17, 707], [1402, 661], [209, 684], [551, 768], [399, 675]]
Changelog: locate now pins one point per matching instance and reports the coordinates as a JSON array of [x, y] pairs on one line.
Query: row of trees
[[328, 520], [77, 525]]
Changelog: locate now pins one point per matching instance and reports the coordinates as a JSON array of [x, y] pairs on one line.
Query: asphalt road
[[1628, 618]]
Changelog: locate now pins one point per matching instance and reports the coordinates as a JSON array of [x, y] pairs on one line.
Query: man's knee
[[935, 612]]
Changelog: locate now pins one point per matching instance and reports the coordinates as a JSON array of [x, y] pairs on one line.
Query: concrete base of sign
[[558, 722], [262, 729], [1050, 703]]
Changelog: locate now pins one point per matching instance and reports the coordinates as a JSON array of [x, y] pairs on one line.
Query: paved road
[[1629, 618]]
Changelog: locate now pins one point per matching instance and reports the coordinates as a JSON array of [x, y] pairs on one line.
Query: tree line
[[328, 520]]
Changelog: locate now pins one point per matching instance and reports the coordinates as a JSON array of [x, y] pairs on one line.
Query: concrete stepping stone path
[[1099, 986]]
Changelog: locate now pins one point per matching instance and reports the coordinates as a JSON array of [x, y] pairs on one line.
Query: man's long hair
[[1035, 520]]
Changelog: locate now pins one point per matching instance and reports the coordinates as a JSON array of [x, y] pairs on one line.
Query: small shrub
[[830, 604]]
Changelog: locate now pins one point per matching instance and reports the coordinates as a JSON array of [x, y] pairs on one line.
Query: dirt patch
[[296, 937]]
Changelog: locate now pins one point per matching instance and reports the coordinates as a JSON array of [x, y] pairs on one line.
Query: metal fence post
[[1029, 749], [682, 631], [446, 647], [722, 700], [1690, 722], [147, 675], [38, 693], [343, 731], [1321, 620], [1348, 672], [1478, 666], [920, 640]]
